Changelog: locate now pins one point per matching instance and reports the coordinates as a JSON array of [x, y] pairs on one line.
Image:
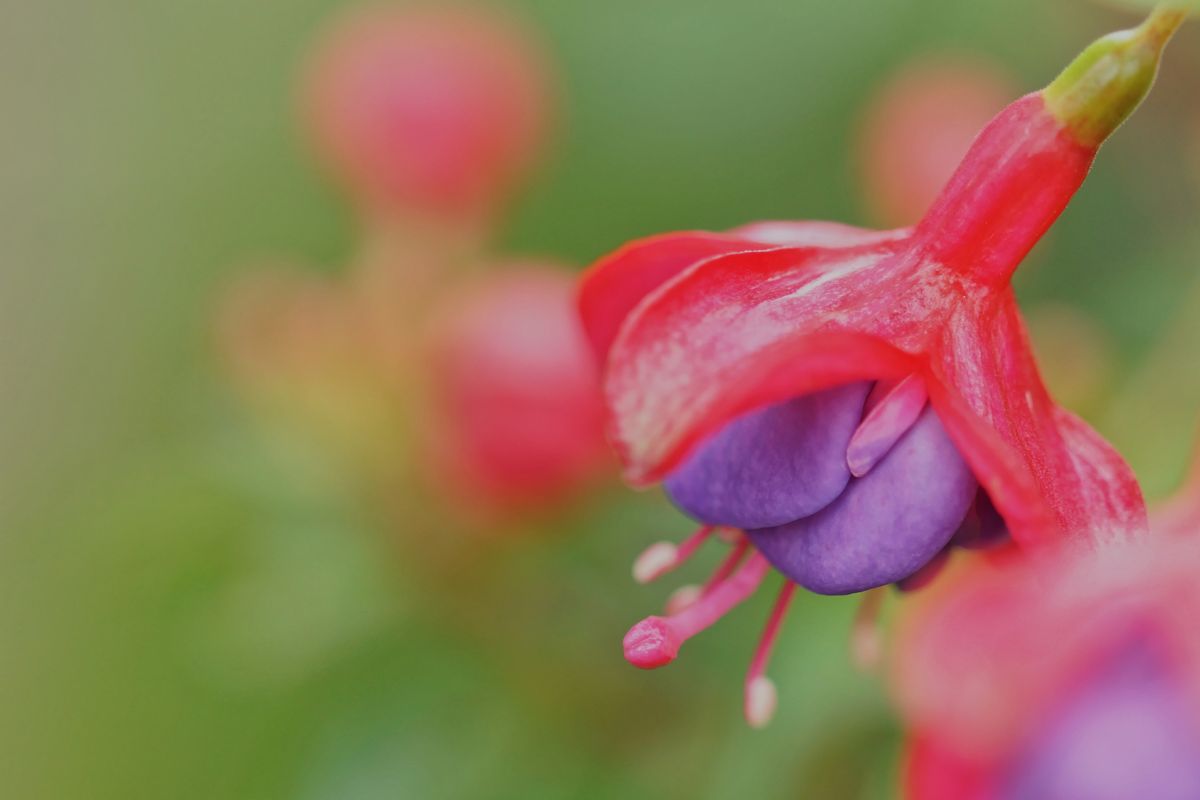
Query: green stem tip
[[1107, 81]]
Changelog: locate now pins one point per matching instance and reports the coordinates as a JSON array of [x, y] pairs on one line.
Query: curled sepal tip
[[1106, 82]]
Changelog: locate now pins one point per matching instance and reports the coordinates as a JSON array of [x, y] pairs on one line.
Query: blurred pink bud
[[516, 391], [917, 128], [434, 110]]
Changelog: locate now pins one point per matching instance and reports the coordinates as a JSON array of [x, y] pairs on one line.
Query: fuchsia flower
[[1075, 678], [856, 403], [433, 109]]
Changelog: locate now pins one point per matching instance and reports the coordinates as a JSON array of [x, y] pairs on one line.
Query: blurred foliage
[[193, 610]]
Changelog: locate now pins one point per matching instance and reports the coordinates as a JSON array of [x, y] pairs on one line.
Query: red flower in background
[[1076, 678], [858, 402]]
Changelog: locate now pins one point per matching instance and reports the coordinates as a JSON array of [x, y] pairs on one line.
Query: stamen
[[761, 696], [884, 424], [866, 640], [661, 557], [683, 597], [655, 641], [726, 568], [728, 535]]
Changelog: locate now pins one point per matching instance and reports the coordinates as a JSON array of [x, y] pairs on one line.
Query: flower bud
[[425, 109], [517, 392]]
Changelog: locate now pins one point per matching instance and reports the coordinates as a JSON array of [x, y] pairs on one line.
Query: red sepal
[[615, 284], [612, 286]]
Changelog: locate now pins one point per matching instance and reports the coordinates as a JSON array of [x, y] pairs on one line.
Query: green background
[[186, 615]]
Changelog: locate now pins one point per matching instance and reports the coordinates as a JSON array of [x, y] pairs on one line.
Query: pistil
[[655, 641], [727, 566]]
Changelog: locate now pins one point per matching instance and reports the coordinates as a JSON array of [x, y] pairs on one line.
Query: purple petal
[[886, 525], [1126, 735], [772, 466]]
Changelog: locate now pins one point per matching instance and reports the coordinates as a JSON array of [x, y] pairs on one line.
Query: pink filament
[[661, 557], [726, 567], [655, 641], [691, 544], [759, 703], [885, 423], [685, 596]]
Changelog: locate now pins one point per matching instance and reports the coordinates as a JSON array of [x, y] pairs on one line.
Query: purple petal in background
[[1127, 736]]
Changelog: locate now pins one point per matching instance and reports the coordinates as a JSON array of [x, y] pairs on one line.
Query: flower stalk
[[1108, 80]]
